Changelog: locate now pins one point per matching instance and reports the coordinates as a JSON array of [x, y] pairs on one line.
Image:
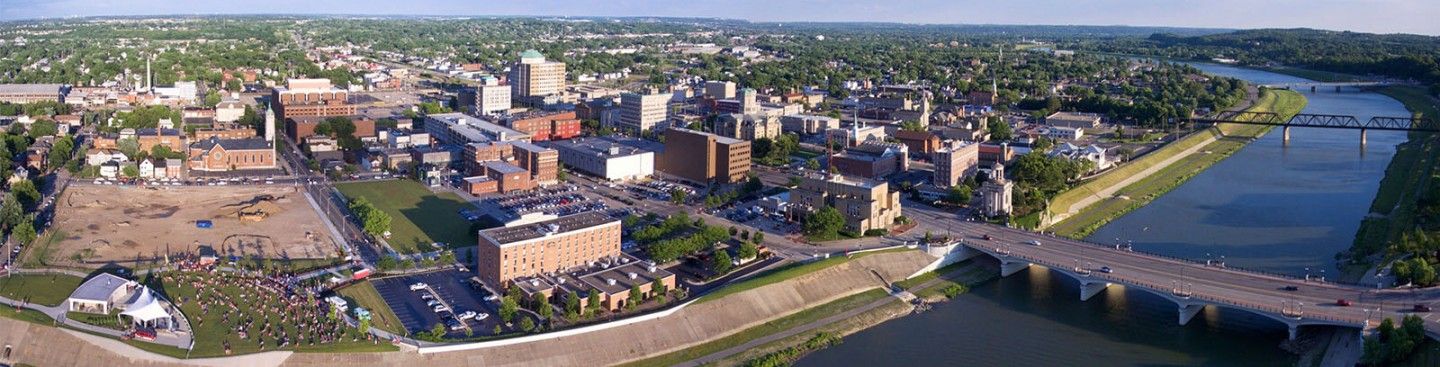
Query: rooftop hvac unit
[[534, 282], [560, 280], [609, 281], [633, 275], [650, 268]]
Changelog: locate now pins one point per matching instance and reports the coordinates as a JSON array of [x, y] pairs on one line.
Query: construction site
[[132, 226]]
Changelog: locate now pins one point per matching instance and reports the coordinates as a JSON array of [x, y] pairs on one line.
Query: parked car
[[1421, 308], [455, 325], [481, 316], [1342, 302], [432, 303], [492, 298], [466, 315], [426, 296], [440, 308], [419, 286]]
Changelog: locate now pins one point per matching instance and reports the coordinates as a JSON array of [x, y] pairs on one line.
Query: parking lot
[[453, 288], [560, 201]]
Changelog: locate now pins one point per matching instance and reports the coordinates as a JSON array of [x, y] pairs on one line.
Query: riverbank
[[1396, 208], [1100, 201], [795, 343]]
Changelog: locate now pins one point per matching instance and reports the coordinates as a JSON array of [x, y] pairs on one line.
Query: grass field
[[775, 326], [1396, 202], [363, 294], [44, 289], [211, 331], [783, 273], [420, 217], [1144, 191]]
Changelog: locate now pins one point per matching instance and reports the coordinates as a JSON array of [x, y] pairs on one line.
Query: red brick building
[[545, 125], [217, 154]]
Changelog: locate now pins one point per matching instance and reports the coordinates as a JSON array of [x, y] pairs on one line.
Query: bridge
[[1322, 121], [1337, 85], [1193, 285]]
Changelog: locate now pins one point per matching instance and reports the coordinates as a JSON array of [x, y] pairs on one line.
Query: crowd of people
[[264, 309]]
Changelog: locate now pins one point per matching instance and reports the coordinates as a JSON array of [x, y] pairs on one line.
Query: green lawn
[[775, 326], [27, 315], [363, 294], [211, 331], [1145, 190], [110, 321], [420, 217], [44, 289], [1413, 165], [790, 271]]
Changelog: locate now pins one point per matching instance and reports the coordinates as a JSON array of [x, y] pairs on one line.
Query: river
[[1279, 207]]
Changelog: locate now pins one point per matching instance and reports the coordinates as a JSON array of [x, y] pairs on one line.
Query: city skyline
[[1371, 16]]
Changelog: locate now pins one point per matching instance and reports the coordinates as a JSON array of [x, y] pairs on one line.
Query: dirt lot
[[127, 224]]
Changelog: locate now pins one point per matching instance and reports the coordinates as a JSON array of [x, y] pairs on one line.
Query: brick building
[[550, 246], [542, 163], [310, 97], [703, 157], [217, 154], [544, 125]]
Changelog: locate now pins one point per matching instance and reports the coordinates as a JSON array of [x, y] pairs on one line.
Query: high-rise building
[[488, 98], [865, 204], [954, 162], [550, 246], [642, 112], [720, 90], [535, 76], [704, 157]]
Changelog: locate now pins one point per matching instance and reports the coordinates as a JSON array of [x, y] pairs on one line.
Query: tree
[[508, 307], [635, 297], [657, 288], [527, 324], [24, 232], [999, 130], [61, 151], [11, 212], [826, 221], [43, 127], [542, 303], [747, 251], [721, 262], [810, 164], [677, 196], [912, 125], [572, 306], [592, 305], [759, 237], [958, 195], [129, 146], [212, 98]]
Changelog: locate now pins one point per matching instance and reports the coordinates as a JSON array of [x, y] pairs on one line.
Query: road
[[1313, 298], [355, 242]]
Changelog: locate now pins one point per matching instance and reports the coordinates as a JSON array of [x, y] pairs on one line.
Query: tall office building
[[488, 98], [642, 112], [955, 161], [534, 76], [720, 90], [704, 157]]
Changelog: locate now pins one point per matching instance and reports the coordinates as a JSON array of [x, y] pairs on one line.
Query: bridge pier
[[1188, 312], [1312, 89], [1088, 290], [1294, 328], [1286, 133], [1009, 267], [1362, 136], [1337, 90]]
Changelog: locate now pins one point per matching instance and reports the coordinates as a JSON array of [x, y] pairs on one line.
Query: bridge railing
[[1191, 294], [1203, 263]]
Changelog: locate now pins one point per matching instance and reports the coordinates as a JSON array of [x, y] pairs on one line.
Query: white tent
[[147, 310]]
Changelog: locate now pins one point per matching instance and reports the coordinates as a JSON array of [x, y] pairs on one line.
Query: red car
[[1342, 303]]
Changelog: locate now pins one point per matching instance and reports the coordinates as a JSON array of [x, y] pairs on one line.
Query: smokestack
[[149, 81]]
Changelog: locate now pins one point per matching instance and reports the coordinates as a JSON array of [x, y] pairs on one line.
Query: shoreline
[[1133, 193]]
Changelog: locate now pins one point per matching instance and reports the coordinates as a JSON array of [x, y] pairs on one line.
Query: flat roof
[[529, 146], [99, 288], [621, 275], [557, 226], [31, 88], [503, 167], [598, 147]]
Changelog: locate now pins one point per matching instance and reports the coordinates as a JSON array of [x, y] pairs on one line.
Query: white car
[[419, 286], [441, 308], [492, 298], [466, 315], [1035, 242], [481, 316]]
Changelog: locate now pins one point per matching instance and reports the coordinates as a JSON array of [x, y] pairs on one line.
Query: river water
[[1279, 207]]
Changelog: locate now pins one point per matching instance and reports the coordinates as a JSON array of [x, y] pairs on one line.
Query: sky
[[1376, 16]]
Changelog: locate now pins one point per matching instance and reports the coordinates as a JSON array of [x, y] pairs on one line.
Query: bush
[[876, 232], [953, 290]]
